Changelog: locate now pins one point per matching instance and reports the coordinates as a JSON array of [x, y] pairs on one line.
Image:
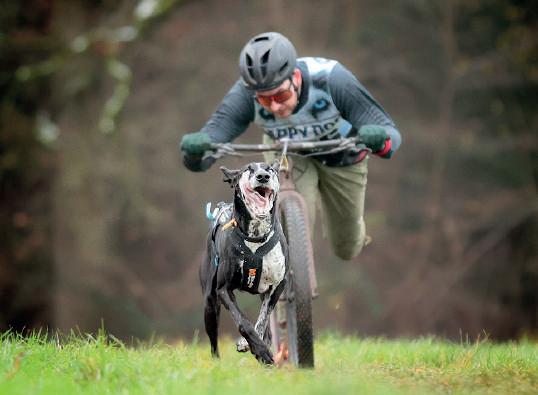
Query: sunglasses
[[279, 97]]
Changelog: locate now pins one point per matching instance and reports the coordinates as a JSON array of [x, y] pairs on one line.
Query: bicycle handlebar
[[284, 146]]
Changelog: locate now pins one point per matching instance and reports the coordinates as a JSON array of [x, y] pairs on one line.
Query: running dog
[[246, 251]]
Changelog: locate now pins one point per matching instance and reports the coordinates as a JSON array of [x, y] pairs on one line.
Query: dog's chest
[[273, 266]]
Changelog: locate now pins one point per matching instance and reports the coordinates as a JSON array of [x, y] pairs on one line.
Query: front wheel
[[291, 322]]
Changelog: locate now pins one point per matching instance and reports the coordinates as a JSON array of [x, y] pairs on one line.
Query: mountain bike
[[291, 321]]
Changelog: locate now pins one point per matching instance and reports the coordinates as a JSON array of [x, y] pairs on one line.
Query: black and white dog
[[247, 251]]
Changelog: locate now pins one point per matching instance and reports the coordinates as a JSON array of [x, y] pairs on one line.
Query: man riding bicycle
[[304, 99]]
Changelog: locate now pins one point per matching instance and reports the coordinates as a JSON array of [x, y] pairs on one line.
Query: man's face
[[272, 100]]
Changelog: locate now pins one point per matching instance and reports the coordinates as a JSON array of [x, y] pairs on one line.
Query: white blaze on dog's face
[[259, 185]]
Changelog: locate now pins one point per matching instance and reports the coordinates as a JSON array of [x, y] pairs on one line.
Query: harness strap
[[246, 237], [253, 263]]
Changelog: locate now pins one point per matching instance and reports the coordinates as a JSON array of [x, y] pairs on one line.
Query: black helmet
[[266, 61]]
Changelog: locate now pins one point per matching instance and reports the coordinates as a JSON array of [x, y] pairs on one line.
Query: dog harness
[[249, 274], [251, 271]]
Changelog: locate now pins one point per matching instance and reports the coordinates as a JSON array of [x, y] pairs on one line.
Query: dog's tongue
[[257, 199], [260, 200]]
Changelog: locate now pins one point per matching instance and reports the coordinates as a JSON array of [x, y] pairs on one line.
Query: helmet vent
[[249, 60], [263, 63], [262, 38], [284, 66], [265, 57]]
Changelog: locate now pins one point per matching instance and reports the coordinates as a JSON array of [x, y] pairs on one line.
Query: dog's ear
[[276, 165], [230, 176]]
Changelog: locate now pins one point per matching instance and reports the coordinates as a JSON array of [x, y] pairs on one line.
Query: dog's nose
[[263, 177]]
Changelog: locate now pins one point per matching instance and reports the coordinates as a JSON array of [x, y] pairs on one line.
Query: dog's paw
[[262, 353], [265, 356], [242, 345]]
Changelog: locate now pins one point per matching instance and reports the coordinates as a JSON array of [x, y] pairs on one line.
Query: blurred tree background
[[100, 222]]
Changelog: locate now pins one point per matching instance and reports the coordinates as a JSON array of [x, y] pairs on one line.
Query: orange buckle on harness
[[231, 223]]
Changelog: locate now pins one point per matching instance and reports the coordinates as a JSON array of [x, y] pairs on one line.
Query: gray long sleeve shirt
[[332, 103]]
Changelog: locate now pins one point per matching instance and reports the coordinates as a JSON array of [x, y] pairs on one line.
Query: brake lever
[[220, 152], [361, 147], [345, 145]]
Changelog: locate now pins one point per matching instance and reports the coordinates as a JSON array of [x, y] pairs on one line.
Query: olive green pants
[[341, 191]]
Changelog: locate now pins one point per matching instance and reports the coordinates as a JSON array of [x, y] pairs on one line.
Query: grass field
[[344, 365]]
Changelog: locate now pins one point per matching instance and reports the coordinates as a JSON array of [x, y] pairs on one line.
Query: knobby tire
[[299, 292]]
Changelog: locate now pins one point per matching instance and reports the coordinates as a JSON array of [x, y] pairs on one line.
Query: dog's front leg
[[275, 296], [261, 323], [269, 301], [256, 344]]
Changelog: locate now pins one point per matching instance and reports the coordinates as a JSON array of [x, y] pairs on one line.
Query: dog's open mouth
[[264, 192], [259, 199]]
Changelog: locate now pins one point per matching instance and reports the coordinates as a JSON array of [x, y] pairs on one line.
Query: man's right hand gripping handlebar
[[194, 146]]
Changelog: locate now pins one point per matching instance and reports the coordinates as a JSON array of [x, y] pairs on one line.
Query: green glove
[[195, 144], [373, 136]]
